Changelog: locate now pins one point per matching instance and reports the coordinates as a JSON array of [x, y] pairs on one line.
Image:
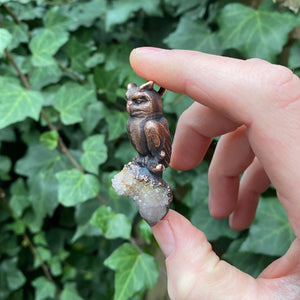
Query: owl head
[[144, 101]]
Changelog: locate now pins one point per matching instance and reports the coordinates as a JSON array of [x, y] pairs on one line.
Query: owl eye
[[139, 100]]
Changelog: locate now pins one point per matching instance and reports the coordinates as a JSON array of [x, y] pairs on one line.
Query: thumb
[[194, 270]]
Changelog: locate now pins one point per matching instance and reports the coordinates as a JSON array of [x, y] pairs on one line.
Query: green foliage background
[[64, 233]]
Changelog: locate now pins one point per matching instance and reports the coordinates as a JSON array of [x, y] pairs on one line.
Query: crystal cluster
[[151, 197]]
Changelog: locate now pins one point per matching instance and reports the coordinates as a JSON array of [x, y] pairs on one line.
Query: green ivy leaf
[[270, 233], [5, 166], [84, 13], [122, 10], [28, 11], [117, 68], [43, 288], [201, 218], [212, 228], [294, 58], [49, 139], [70, 292], [44, 256], [19, 33], [125, 152], [199, 192], [13, 277], [55, 266], [86, 230], [84, 211], [183, 6], [145, 231], [54, 20], [112, 225], [116, 124], [43, 192], [176, 103], [251, 263], [41, 165], [17, 103], [91, 116], [106, 81], [9, 244], [134, 271], [19, 197], [94, 60], [119, 204], [95, 153], [33, 223], [18, 227], [5, 39], [42, 76], [38, 158], [44, 45], [7, 134], [194, 35], [75, 187], [71, 99], [256, 33], [79, 53], [40, 240]]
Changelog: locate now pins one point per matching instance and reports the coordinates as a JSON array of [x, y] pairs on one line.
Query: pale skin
[[255, 106]]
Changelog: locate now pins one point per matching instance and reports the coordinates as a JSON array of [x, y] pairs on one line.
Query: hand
[[256, 107]]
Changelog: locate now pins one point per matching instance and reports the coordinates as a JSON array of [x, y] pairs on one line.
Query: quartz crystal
[[151, 196]]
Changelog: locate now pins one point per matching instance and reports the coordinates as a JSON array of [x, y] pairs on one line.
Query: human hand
[[255, 106]]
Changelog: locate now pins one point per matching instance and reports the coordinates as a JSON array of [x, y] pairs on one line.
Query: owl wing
[[158, 140]]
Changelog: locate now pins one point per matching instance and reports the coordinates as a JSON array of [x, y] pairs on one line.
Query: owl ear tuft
[[131, 86], [147, 86]]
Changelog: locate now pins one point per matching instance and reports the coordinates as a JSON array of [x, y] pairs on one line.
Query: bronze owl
[[148, 130]]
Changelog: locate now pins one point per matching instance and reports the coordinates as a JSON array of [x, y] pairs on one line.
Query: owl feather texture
[[148, 131]]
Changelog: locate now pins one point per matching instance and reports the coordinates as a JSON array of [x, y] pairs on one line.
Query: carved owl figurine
[[148, 130]]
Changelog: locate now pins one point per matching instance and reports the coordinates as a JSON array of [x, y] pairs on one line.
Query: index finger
[[218, 82]]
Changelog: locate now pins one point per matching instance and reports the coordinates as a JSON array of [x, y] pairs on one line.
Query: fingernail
[[164, 237], [149, 50]]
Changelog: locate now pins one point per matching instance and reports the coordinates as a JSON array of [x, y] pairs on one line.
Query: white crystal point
[[151, 196]]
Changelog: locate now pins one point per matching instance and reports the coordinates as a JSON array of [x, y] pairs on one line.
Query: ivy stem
[[65, 150], [101, 199], [134, 243], [37, 255], [71, 72], [20, 73], [51, 126], [13, 15]]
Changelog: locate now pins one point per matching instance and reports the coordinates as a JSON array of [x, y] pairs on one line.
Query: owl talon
[[159, 168]]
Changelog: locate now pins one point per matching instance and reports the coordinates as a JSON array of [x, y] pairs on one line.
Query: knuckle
[[286, 89], [181, 284], [282, 86]]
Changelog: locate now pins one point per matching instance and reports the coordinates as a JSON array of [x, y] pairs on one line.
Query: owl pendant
[[147, 129], [141, 179]]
